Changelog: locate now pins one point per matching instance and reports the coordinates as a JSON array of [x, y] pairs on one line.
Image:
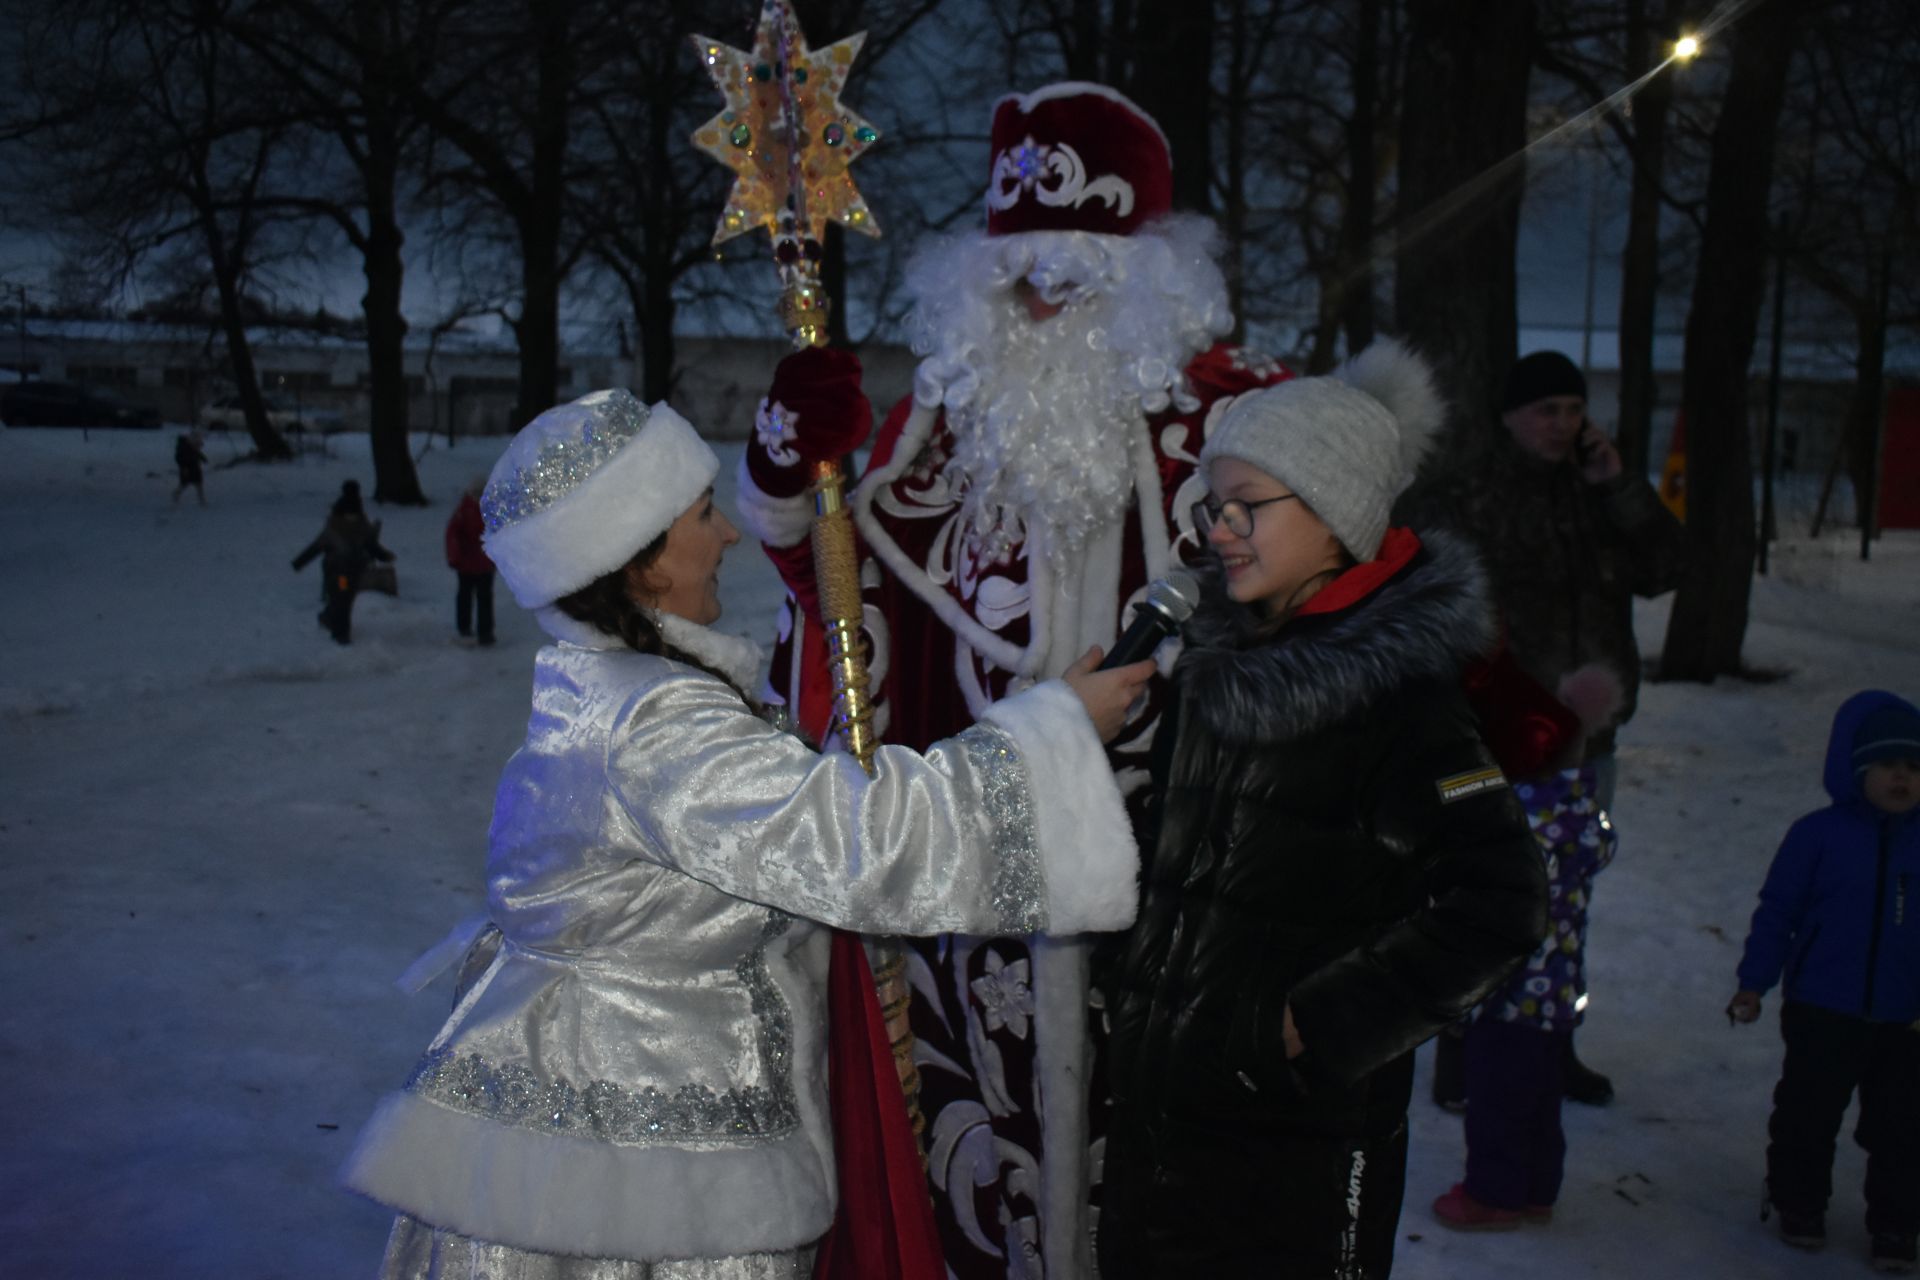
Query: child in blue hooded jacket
[[1839, 915]]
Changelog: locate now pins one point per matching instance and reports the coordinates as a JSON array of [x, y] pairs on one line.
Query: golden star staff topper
[[788, 139]]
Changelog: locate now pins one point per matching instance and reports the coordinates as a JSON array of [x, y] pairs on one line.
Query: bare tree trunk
[[394, 477], [268, 444], [1462, 172], [1640, 262], [1120, 25], [1357, 217], [541, 220], [1869, 403], [1709, 619], [1233, 217], [1084, 50], [538, 328], [653, 311], [1172, 82], [1322, 346]]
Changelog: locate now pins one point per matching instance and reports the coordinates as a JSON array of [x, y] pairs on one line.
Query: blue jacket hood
[[1843, 784]]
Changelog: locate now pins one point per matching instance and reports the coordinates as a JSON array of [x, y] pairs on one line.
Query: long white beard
[[1043, 437]]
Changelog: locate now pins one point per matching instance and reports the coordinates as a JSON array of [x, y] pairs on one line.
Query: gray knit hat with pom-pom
[[1348, 443]]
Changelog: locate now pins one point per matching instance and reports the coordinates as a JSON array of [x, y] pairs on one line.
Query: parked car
[[228, 414], [61, 404]]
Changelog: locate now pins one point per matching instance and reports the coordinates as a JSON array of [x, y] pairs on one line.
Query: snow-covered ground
[[221, 837]]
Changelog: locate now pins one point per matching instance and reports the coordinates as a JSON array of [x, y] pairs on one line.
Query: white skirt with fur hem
[[419, 1251]]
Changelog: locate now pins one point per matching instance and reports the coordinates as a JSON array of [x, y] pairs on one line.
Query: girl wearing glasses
[[1340, 869]]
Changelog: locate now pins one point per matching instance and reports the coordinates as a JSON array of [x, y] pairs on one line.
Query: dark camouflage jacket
[[1565, 557]]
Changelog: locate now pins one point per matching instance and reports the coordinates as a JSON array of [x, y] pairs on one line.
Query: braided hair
[[607, 605]]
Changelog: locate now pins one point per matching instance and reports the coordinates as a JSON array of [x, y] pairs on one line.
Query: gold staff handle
[[837, 571], [836, 564], [809, 137]]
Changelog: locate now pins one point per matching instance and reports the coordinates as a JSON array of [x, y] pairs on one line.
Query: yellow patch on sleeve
[[1472, 783]]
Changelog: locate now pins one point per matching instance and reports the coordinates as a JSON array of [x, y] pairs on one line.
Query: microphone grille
[[1177, 594]]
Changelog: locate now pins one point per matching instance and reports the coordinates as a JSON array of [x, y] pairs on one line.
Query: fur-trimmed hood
[[1426, 623]]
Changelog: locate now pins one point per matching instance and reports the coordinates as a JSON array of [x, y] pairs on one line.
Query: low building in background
[[461, 383]]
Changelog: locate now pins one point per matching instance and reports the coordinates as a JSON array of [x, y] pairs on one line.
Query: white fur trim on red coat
[[1080, 822], [601, 522], [1063, 1054], [968, 631]]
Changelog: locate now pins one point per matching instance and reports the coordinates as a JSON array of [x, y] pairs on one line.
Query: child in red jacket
[[468, 559]]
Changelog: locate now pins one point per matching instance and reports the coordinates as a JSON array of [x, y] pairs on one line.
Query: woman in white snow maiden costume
[[635, 1088]]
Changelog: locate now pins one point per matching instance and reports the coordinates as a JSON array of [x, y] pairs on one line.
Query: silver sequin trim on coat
[[1019, 886], [419, 1251], [608, 421], [511, 1093]]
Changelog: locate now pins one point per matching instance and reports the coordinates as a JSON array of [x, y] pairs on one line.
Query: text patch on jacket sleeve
[[1461, 785]]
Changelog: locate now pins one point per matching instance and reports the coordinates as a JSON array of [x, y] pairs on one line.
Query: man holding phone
[[1569, 538]]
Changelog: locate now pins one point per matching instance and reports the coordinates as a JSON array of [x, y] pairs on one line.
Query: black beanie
[[1890, 732], [1542, 374]]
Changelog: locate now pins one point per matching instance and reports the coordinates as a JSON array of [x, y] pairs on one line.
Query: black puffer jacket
[[1331, 833]]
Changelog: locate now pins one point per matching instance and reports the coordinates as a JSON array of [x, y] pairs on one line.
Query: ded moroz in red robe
[[1004, 1046]]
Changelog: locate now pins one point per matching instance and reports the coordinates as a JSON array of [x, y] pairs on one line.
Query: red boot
[[1462, 1212]]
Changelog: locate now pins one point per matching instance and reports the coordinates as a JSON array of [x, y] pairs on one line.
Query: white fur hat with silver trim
[[584, 486]]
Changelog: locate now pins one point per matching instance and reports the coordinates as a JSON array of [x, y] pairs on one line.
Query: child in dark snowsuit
[[348, 543], [1840, 915], [191, 463]]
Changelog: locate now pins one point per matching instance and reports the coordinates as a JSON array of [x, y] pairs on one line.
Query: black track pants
[[1829, 1055], [1181, 1203]]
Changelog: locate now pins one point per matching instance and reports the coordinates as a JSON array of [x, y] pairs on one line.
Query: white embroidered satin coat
[[641, 1071]]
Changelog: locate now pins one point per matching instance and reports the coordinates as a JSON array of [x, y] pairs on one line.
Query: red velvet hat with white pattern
[[1076, 156]]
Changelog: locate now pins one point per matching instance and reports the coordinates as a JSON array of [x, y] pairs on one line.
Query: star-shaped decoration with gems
[[749, 135]]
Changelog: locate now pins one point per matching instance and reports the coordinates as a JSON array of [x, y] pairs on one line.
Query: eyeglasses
[[1233, 513]]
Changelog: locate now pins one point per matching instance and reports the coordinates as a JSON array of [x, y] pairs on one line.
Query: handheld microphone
[[1170, 601]]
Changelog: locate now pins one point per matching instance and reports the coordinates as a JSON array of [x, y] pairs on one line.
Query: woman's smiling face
[[684, 579], [1288, 549]]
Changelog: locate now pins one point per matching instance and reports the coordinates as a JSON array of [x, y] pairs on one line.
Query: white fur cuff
[[1080, 822], [778, 522]]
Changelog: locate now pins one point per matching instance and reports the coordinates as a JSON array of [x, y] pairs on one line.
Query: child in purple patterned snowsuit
[[1518, 1039]]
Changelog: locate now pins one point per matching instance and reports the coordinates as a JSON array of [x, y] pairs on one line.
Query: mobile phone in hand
[[1586, 443]]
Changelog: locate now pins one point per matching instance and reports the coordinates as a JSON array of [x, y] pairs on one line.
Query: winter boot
[[1461, 1212], [1802, 1230], [1893, 1253], [1450, 1069], [1581, 1083]]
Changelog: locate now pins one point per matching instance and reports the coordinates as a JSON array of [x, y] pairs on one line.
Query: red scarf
[[1397, 551]]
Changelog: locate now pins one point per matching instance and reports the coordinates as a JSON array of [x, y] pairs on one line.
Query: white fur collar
[[735, 657], [573, 631]]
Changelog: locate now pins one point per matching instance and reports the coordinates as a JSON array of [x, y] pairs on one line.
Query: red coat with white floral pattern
[[954, 623]]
